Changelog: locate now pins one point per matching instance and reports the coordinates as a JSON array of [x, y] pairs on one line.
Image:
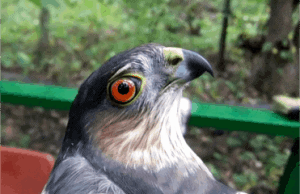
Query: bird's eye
[[123, 90]]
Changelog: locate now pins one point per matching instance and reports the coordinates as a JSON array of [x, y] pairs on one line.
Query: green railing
[[203, 115]]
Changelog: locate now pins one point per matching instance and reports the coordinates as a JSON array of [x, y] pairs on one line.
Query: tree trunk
[[296, 41], [269, 71], [221, 63], [280, 23], [43, 45], [296, 36]]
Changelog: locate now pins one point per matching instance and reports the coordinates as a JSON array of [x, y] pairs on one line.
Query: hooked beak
[[188, 65]]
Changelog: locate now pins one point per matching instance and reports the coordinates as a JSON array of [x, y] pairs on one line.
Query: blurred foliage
[[118, 25], [263, 160], [22, 141], [84, 34]]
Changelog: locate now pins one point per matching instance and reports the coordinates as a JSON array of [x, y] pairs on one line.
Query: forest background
[[253, 46]]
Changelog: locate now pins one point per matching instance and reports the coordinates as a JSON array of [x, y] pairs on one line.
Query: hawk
[[125, 129]]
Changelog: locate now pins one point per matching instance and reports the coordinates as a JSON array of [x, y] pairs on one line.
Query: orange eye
[[123, 90]]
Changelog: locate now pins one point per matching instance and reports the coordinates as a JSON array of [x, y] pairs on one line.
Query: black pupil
[[123, 88]]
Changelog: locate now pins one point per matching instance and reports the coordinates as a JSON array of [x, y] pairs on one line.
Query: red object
[[24, 171]]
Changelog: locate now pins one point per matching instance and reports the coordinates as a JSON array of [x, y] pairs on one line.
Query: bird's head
[[128, 109]]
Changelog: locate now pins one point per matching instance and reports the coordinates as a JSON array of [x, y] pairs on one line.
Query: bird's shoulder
[[76, 175]]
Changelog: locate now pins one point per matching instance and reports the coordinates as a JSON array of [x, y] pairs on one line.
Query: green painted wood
[[242, 119], [49, 97], [203, 114], [289, 181]]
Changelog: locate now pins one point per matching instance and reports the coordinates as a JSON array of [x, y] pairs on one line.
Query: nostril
[[175, 61]]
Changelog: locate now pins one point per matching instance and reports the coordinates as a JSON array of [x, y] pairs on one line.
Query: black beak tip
[[197, 63], [206, 65], [210, 71], [205, 68]]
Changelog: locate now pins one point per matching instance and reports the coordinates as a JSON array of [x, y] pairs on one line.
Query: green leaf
[[12, 144], [85, 13], [50, 2], [2, 117], [89, 4], [240, 179], [195, 131], [25, 140], [258, 142], [70, 3], [279, 139], [287, 55], [7, 59], [247, 156], [230, 85], [285, 42], [214, 170], [217, 156], [37, 3], [267, 46], [233, 142], [253, 177], [110, 54], [76, 65], [280, 71], [24, 60], [280, 159], [263, 156]]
